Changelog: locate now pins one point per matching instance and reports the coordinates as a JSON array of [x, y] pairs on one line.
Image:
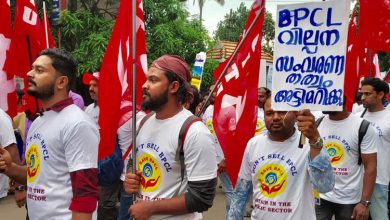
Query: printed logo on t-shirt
[[259, 126], [272, 180], [209, 125], [33, 161], [151, 173], [336, 152]]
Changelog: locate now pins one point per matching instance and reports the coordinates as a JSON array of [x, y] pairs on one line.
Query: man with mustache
[[374, 91], [279, 173], [161, 191], [62, 146], [355, 182]]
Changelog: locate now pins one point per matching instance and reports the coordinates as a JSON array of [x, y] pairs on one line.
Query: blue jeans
[[126, 201], [227, 187], [378, 208]]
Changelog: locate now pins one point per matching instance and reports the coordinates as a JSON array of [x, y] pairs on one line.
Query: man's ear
[[381, 94], [174, 87], [62, 82]]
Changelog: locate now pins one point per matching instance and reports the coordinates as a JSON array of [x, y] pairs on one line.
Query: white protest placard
[[197, 72], [310, 56]]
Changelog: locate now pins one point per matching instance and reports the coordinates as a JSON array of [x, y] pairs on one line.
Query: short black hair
[[267, 91], [181, 94], [195, 101], [378, 85], [63, 63]]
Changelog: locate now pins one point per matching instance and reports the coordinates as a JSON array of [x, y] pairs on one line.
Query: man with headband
[[281, 174], [161, 191]]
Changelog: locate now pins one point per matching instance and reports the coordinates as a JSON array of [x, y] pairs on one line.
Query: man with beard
[[62, 146], [279, 172], [161, 191], [224, 178], [354, 185], [374, 93]]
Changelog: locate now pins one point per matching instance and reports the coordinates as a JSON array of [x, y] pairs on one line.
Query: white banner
[[309, 57]]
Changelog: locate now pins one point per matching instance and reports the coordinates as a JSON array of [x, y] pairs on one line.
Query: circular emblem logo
[[151, 173], [335, 152], [209, 125], [33, 160], [272, 180], [259, 126]]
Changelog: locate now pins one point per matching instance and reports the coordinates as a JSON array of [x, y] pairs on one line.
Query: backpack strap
[[144, 119], [182, 135], [362, 131], [319, 120]]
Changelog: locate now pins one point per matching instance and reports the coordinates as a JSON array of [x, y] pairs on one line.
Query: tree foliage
[[231, 28], [86, 35], [170, 31], [208, 74]]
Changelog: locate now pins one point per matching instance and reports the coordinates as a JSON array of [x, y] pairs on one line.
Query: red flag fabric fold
[[8, 101], [374, 24], [235, 108], [115, 90], [352, 61]]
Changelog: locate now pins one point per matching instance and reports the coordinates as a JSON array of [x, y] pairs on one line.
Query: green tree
[[208, 74], [384, 61], [86, 35], [232, 26], [169, 30]]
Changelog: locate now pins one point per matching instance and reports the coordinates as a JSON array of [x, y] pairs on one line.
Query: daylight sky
[[213, 12]]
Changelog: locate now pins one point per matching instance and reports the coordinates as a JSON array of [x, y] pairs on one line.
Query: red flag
[[49, 42], [27, 39], [235, 109], [116, 74], [352, 61], [8, 100], [374, 23]]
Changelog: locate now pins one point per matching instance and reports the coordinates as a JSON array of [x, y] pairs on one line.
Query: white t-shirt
[[7, 137], [92, 111], [58, 143], [125, 138], [357, 109], [260, 123], [161, 174], [207, 119], [341, 141], [279, 172], [381, 123]]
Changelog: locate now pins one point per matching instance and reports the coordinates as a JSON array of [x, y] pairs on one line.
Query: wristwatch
[[20, 188], [365, 203], [318, 144]]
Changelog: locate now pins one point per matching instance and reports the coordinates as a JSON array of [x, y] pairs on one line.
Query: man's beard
[[156, 103], [42, 93]]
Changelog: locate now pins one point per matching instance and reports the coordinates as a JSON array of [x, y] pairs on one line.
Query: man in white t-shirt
[[8, 142], [351, 195], [62, 143], [374, 91], [262, 94], [161, 191], [224, 178], [280, 173]]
